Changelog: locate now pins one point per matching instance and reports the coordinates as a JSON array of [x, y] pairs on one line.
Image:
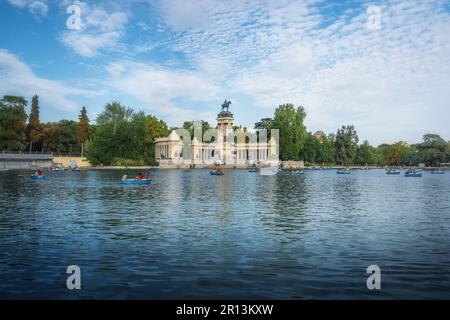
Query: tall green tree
[[83, 129], [410, 156], [327, 152], [292, 132], [368, 155], [49, 137], [433, 150], [66, 137], [312, 149], [34, 130], [346, 144], [115, 114], [124, 137], [12, 123]]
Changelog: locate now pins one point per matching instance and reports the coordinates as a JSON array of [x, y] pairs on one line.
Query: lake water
[[242, 235]]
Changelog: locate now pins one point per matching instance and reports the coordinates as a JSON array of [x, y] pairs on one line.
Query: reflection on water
[[241, 235]]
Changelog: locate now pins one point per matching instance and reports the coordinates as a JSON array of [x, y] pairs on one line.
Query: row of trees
[[19, 131], [343, 147], [123, 136]]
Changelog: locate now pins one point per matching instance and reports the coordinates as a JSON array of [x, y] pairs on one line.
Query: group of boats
[[412, 172], [393, 171], [297, 172], [147, 179]]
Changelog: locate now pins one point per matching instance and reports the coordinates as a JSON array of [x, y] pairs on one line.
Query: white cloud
[[391, 83], [88, 45], [157, 88], [19, 3], [100, 30], [17, 78], [37, 8]]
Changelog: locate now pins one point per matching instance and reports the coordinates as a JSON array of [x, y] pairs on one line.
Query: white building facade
[[222, 146]]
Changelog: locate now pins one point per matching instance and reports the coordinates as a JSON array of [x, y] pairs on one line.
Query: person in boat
[[148, 176], [218, 170], [140, 176], [125, 176], [39, 172]]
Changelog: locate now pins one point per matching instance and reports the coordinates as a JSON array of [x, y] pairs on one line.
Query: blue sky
[[383, 66]]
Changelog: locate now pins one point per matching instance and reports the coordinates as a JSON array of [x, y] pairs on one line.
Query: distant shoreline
[[315, 168], [333, 167]]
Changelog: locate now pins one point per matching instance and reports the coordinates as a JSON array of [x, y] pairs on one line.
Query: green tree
[[292, 132], [83, 129], [66, 137], [327, 151], [433, 150], [12, 123], [124, 137], [448, 152], [364, 154], [34, 130], [115, 115], [410, 156], [395, 152], [49, 137], [346, 144], [312, 149]]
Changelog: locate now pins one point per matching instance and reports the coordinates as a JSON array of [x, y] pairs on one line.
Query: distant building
[[229, 148]]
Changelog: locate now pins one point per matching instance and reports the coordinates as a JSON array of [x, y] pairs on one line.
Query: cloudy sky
[[383, 66]]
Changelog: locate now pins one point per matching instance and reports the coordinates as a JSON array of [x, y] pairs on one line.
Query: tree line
[[123, 136], [343, 147], [19, 131], [120, 136]]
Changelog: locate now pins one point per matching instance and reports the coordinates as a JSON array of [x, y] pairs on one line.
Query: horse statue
[[226, 105]]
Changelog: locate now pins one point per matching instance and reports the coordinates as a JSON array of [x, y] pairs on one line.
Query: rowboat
[[57, 171], [252, 170], [136, 181], [214, 173], [393, 171], [413, 173], [437, 172], [4, 171], [36, 177], [343, 172]]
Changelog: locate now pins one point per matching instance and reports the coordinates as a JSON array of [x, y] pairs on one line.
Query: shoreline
[[314, 168]]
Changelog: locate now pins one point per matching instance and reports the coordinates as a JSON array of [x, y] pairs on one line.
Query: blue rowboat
[[416, 174], [438, 172], [213, 173], [296, 173], [4, 170], [136, 181], [57, 171], [343, 172], [35, 177], [252, 170]]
